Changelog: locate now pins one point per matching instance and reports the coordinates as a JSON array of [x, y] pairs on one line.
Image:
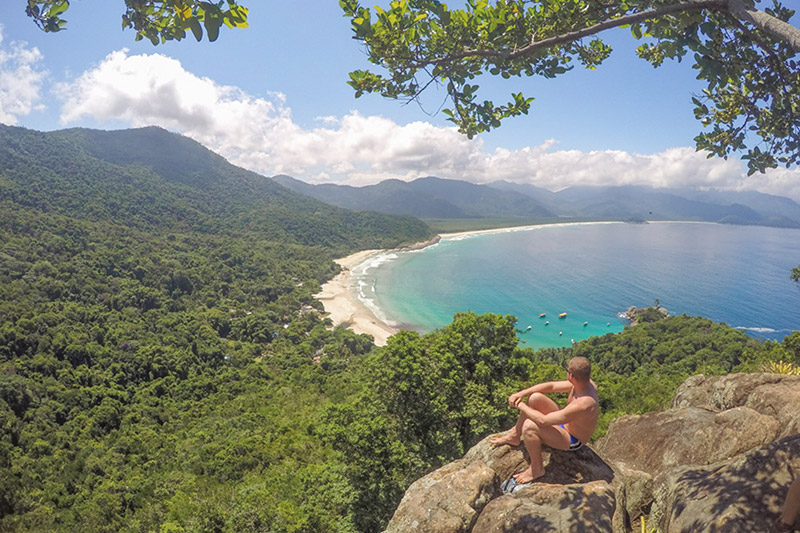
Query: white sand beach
[[344, 307]]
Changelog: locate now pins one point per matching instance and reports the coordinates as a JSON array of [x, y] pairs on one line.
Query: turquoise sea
[[593, 272]]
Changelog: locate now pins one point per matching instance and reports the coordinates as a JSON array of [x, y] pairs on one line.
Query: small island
[[653, 313]]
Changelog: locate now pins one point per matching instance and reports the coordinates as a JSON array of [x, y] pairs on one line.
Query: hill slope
[[158, 336], [149, 178]]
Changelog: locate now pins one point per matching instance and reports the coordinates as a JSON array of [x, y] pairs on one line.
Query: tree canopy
[[156, 20], [746, 56]]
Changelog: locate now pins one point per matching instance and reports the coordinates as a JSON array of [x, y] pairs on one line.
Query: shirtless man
[[541, 421]]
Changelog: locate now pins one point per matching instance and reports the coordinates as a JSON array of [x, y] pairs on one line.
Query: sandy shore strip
[[344, 308]]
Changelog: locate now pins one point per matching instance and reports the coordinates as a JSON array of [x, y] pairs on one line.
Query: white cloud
[[20, 81], [259, 134]]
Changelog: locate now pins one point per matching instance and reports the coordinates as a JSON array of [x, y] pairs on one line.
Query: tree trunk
[[766, 22]]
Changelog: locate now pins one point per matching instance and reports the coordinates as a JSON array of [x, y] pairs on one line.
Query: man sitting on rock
[[541, 421]]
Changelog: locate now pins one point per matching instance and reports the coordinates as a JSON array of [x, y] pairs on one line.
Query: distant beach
[[343, 306]]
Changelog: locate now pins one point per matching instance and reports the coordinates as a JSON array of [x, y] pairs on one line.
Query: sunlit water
[[592, 272]]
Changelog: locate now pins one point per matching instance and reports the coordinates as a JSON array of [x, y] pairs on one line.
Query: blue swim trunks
[[574, 442]]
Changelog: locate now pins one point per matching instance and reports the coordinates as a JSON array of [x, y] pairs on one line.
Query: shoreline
[[343, 306]]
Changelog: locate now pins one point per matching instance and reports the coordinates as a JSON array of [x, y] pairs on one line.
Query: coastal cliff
[[720, 459]]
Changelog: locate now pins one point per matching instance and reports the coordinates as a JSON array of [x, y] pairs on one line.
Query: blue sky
[[273, 98]]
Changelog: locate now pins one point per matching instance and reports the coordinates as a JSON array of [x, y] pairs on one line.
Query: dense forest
[[165, 367]]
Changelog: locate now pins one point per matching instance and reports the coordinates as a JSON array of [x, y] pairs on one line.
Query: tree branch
[[633, 18]]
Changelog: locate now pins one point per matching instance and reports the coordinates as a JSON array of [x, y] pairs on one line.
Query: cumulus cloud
[[259, 133], [20, 80]]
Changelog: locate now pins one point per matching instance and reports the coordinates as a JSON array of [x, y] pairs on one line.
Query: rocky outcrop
[[418, 245], [773, 395], [685, 436], [548, 507], [744, 494], [452, 498], [645, 314], [719, 460]]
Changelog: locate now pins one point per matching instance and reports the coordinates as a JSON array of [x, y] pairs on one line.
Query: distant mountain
[[435, 198], [768, 204], [540, 194], [648, 203], [149, 178], [425, 198]]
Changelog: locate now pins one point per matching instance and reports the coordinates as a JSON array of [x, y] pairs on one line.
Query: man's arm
[[544, 388], [562, 416]]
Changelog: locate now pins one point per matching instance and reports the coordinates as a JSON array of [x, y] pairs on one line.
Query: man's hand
[[515, 399]]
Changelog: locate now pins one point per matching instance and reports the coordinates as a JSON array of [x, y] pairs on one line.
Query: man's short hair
[[580, 368]]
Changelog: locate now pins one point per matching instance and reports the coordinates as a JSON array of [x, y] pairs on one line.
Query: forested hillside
[[164, 366], [154, 180]]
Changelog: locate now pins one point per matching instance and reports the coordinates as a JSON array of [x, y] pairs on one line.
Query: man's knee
[[536, 398]]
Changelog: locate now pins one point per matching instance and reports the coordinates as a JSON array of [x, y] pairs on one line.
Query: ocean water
[[593, 272]]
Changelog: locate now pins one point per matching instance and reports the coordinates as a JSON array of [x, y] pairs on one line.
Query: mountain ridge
[[437, 198], [428, 197]]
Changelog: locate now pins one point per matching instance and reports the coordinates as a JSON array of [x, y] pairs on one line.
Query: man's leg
[[791, 507], [513, 436], [534, 436]]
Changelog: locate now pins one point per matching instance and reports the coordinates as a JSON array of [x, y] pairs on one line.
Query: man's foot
[[526, 476], [781, 527], [505, 438]]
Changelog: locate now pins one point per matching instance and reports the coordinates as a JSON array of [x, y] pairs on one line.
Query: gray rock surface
[[745, 494], [448, 499], [655, 442], [544, 507]]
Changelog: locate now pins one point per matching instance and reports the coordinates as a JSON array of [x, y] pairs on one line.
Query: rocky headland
[[719, 460], [645, 314]]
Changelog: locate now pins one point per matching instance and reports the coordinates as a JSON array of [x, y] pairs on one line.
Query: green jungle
[[165, 367]]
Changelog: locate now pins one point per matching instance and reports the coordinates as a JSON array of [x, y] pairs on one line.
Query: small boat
[[585, 323], [528, 327], [542, 315], [560, 333], [562, 315], [546, 322]]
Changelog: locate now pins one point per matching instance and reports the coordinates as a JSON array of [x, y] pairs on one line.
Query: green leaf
[[212, 28], [197, 30]]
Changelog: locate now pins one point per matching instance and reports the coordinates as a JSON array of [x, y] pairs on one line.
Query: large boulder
[[446, 500], [545, 507], [451, 498], [774, 395], [745, 494], [655, 442]]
